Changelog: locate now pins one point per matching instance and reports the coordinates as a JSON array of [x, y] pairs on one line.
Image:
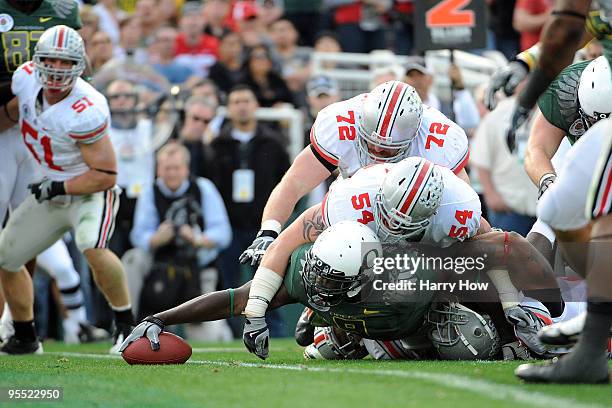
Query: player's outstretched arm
[[544, 140], [211, 306], [9, 114], [305, 174], [102, 173]]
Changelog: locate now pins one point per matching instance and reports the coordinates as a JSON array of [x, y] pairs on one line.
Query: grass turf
[[225, 375]]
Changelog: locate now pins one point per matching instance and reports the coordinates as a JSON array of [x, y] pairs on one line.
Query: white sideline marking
[[488, 389]]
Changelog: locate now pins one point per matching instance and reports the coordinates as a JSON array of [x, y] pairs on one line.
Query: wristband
[[546, 177], [264, 286], [155, 320], [57, 188], [271, 225]]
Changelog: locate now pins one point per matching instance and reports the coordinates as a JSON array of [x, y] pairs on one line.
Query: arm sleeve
[[90, 126], [146, 220], [218, 227]]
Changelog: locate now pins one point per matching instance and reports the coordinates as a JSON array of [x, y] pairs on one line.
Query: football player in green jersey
[[21, 24], [327, 275]]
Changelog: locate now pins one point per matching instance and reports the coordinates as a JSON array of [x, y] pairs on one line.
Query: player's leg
[[56, 261], [93, 219], [31, 229]]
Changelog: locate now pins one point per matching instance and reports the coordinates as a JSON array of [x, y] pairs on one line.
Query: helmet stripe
[[388, 114], [421, 177], [60, 39]]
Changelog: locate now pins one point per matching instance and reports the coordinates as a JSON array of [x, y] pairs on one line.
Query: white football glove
[[256, 336], [150, 327]]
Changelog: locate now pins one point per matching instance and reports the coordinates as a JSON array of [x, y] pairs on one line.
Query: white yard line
[[488, 389]]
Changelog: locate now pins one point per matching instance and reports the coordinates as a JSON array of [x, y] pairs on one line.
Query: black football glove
[[257, 249], [47, 189]]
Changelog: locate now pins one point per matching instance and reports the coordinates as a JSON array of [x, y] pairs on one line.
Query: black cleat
[[89, 333], [14, 346], [568, 369]]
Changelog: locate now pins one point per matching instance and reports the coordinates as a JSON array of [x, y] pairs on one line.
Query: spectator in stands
[[195, 49], [500, 23], [199, 113], [327, 41], [294, 60], [322, 91], [100, 50], [268, 86], [109, 16], [90, 22], [463, 109], [131, 136], [148, 13], [360, 24], [130, 46], [509, 194], [182, 222], [249, 161], [226, 71], [161, 56], [402, 16], [250, 24], [529, 18], [306, 17], [217, 15]]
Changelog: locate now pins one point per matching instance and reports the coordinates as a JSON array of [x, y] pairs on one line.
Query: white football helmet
[[61, 42], [390, 118], [334, 264], [331, 343], [410, 194], [460, 333], [594, 92]]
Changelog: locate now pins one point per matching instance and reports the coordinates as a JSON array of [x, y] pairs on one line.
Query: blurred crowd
[[185, 81]]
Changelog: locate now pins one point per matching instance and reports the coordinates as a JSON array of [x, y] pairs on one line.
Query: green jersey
[[601, 30], [376, 320], [559, 103], [19, 32]]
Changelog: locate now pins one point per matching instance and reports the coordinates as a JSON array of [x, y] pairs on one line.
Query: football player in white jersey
[[64, 122], [578, 205], [383, 126], [413, 200]]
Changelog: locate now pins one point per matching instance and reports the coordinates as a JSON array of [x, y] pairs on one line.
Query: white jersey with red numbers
[[457, 217], [333, 138], [51, 132]]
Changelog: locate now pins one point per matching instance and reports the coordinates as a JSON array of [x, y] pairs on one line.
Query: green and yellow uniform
[[370, 319], [601, 30], [559, 103], [19, 31]]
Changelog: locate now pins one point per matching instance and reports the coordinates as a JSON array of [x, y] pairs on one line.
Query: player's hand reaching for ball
[[150, 327]]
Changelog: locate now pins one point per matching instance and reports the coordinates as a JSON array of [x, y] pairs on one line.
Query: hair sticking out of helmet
[[335, 264], [594, 92], [59, 58], [389, 120], [410, 194]]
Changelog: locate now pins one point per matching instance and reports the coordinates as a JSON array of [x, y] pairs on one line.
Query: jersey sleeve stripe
[[89, 134], [462, 163], [330, 158], [423, 173]]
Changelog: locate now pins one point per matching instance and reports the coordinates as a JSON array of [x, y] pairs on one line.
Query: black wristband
[[57, 188], [267, 233], [155, 320]]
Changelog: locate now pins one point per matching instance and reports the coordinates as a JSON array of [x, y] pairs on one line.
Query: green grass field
[[225, 375]]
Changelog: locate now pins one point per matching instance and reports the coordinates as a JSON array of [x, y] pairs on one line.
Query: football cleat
[[566, 370], [515, 351], [121, 333], [6, 324], [14, 346]]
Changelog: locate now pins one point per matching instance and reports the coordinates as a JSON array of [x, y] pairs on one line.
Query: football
[[172, 350]]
